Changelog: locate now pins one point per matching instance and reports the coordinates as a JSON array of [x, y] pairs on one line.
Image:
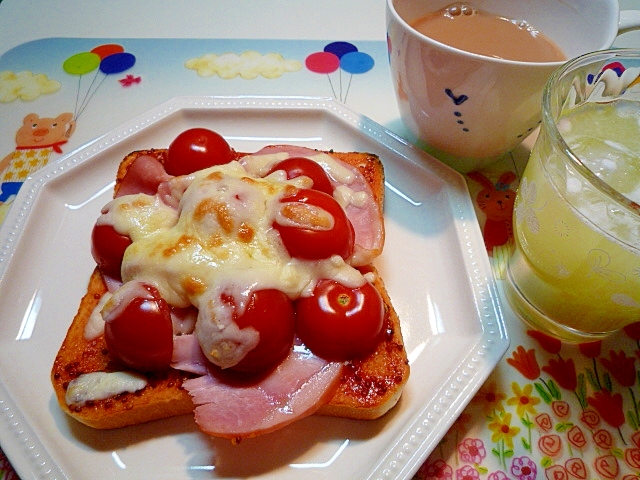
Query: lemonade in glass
[[575, 269]]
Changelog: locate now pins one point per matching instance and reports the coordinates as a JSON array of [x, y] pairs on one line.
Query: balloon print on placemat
[[105, 60], [340, 57]]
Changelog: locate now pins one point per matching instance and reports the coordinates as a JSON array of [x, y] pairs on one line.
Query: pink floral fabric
[[550, 411]]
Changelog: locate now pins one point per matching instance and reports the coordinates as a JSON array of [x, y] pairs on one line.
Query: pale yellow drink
[[575, 271]]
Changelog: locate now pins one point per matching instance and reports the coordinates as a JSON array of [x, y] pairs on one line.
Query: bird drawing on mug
[[457, 101], [496, 201]]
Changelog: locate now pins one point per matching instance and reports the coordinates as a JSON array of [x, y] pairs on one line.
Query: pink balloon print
[[322, 62]]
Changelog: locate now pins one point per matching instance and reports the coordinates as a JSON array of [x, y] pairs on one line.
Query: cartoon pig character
[[36, 140]]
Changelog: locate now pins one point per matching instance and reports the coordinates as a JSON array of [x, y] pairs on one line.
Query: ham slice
[[235, 409], [187, 355], [364, 214], [144, 175], [368, 224]]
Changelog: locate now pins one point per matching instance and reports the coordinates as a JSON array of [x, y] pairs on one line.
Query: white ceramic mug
[[471, 109]]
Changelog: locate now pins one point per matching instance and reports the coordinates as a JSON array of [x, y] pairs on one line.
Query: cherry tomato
[[271, 313], [195, 149], [313, 226], [299, 166], [340, 323], [138, 327], [107, 249]]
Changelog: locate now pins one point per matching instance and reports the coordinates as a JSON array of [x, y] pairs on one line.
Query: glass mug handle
[[629, 20]]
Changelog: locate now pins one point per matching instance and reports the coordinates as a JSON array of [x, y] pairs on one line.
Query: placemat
[[549, 410]]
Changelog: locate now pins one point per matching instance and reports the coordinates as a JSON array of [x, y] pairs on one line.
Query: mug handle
[[629, 20]]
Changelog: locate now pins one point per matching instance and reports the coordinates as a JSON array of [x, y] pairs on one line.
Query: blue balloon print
[[117, 63], [340, 48], [356, 62]]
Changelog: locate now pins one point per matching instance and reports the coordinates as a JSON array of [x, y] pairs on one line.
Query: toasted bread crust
[[163, 397], [369, 387]]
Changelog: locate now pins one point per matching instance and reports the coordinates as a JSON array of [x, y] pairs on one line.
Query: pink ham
[[234, 409], [292, 150], [367, 219], [187, 355], [144, 175], [367, 223]]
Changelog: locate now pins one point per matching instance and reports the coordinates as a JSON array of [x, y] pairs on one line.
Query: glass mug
[[575, 269]]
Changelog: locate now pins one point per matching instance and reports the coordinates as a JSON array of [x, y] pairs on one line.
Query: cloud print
[[248, 65], [25, 86]]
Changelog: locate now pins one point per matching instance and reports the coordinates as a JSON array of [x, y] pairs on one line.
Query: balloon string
[[85, 100], [333, 90], [340, 73], [75, 108], [92, 94], [348, 88]]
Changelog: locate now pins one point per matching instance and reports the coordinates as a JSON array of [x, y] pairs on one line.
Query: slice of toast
[[369, 388]]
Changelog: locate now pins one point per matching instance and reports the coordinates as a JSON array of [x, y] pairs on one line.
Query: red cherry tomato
[[313, 226], [271, 313], [138, 327], [340, 323], [107, 249], [299, 166], [195, 149]]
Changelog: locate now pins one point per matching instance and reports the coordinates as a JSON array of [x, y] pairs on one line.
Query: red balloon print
[[107, 49], [322, 62]]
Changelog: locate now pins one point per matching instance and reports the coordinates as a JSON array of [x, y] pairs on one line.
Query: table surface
[[548, 410]]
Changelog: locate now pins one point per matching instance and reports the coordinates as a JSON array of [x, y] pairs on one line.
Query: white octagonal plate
[[434, 265]]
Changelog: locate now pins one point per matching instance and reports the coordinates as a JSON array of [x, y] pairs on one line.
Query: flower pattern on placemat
[[561, 412]]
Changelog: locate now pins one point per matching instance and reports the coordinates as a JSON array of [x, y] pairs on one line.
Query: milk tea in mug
[[466, 28]]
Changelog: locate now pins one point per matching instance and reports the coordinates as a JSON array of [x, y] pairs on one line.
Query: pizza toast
[[368, 387]]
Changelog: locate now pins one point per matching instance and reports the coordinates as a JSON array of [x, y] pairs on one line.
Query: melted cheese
[[102, 385], [138, 215], [95, 325], [259, 165], [334, 169], [346, 196], [222, 242]]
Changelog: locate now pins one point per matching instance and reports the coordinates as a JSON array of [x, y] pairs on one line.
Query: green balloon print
[[81, 63]]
